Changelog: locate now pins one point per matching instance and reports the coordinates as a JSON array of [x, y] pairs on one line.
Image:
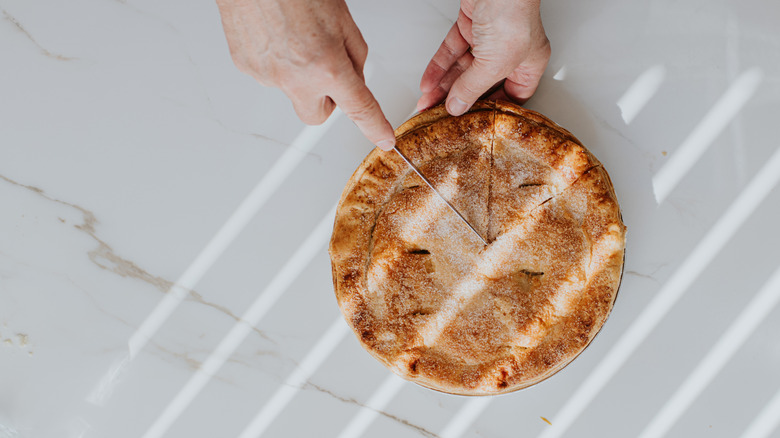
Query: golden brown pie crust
[[439, 308]]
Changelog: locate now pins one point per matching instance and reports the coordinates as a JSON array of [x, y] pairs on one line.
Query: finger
[[465, 26], [431, 99], [438, 94], [521, 84], [451, 49], [519, 92], [313, 111], [354, 98], [475, 81], [357, 49]]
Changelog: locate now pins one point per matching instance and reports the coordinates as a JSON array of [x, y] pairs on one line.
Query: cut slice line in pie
[[429, 299]]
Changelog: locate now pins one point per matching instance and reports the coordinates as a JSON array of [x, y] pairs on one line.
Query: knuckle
[[461, 65], [493, 70], [362, 47], [449, 51], [330, 72], [299, 52], [255, 65], [289, 86], [261, 67], [260, 72], [324, 69], [241, 63], [341, 66]]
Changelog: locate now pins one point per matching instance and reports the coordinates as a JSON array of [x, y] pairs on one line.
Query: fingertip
[[478, 78], [456, 106], [422, 104], [431, 78], [386, 145], [519, 93]]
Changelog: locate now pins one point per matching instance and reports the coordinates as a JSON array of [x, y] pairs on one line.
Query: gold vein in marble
[[310, 247], [349, 400], [43, 50], [106, 258]]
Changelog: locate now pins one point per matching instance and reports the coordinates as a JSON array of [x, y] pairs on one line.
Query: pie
[[427, 298]]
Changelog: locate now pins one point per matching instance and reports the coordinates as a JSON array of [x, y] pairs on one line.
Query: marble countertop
[[163, 224]]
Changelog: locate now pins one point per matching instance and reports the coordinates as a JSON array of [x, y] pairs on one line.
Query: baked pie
[[429, 299]]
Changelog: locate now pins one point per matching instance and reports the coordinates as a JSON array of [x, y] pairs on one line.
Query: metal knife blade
[[417, 171]]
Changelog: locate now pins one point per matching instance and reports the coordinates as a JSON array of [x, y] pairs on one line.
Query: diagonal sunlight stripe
[[381, 397], [248, 208], [766, 421], [736, 130], [640, 92], [702, 136], [469, 412], [560, 74], [465, 417], [463, 292], [267, 186], [736, 335], [279, 400], [277, 286], [747, 201]]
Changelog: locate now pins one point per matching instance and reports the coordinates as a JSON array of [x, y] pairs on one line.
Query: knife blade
[[422, 177]]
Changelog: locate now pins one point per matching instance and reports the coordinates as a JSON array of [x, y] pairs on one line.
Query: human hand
[[313, 51], [507, 43]]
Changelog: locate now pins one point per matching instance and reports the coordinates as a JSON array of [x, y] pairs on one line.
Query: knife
[[417, 171]]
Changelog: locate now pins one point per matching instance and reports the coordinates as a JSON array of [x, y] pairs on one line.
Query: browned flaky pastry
[[429, 300]]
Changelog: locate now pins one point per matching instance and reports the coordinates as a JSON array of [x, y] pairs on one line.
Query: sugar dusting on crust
[[438, 307]]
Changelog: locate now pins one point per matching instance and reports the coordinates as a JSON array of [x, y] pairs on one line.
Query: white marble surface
[[128, 140]]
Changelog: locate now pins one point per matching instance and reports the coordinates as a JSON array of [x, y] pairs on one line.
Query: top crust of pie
[[435, 305]]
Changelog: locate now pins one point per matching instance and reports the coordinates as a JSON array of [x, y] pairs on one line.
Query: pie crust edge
[[356, 217]]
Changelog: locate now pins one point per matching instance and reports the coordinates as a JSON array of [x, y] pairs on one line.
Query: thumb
[[474, 82]]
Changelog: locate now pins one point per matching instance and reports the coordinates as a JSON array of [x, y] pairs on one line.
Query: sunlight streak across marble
[[377, 402], [714, 361], [766, 421], [465, 416], [248, 208], [267, 298], [706, 132], [560, 74], [292, 385], [640, 92], [679, 282]]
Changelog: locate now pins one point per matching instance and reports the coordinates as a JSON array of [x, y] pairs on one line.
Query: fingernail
[[456, 106], [386, 145]]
